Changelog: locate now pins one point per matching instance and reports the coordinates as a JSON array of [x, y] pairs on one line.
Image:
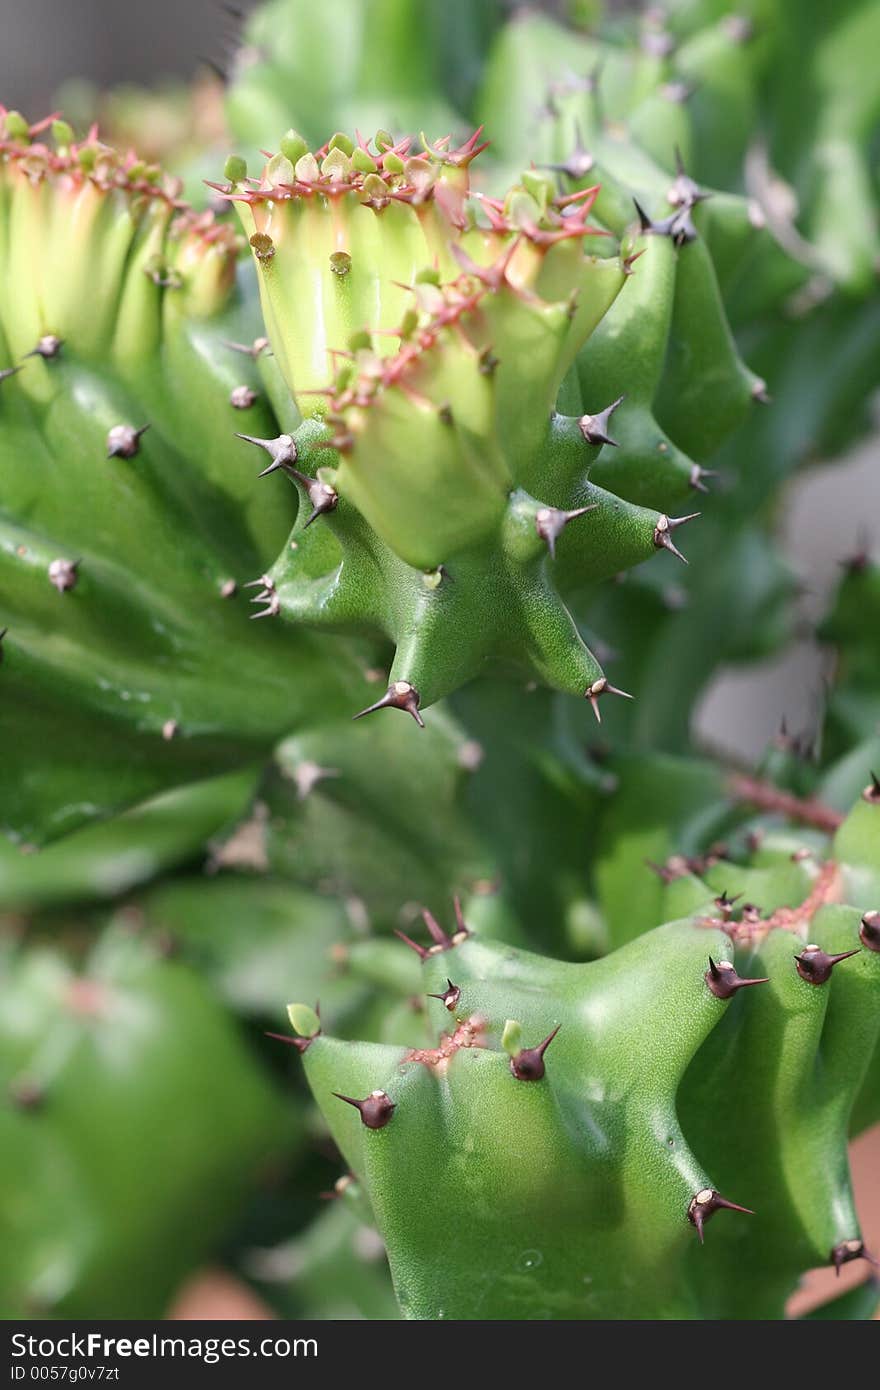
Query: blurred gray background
[[824, 518], [43, 42]]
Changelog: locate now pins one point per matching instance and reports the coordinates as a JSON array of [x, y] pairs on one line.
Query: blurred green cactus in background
[[405, 409]]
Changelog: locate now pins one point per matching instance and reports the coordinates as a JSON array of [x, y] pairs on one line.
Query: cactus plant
[[448, 404], [560, 1150]]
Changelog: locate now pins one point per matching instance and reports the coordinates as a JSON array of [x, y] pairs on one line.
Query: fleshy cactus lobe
[[445, 322], [560, 1149]]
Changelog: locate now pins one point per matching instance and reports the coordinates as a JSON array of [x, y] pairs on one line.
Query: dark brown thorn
[[869, 927], [667, 873], [871, 794], [242, 397], [340, 1187], [528, 1064], [662, 533], [63, 574], [860, 559], [597, 689], [678, 226], [698, 473], [579, 162], [645, 223], [684, 191], [815, 965], [724, 982], [299, 1043], [375, 1110], [704, 1205], [450, 997], [399, 695], [725, 904], [273, 605], [550, 522], [282, 451], [420, 951], [123, 441], [435, 930], [47, 347], [594, 428], [849, 1250], [322, 496], [254, 349]]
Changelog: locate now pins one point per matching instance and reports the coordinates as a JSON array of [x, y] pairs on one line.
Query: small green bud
[[235, 169], [17, 127], [293, 146], [86, 157], [306, 169], [409, 323], [539, 187], [393, 164], [429, 276], [359, 340], [375, 187], [363, 162], [62, 133], [511, 1038], [382, 140], [340, 263], [336, 165], [340, 141], [279, 170], [303, 1020], [521, 209]]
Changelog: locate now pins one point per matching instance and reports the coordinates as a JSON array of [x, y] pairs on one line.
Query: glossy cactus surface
[[560, 1149], [405, 419]]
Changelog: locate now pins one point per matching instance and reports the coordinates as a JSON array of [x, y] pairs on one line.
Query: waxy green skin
[[154, 676], [160, 680], [449, 560], [697, 97], [101, 1060], [115, 856], [567, 1196]]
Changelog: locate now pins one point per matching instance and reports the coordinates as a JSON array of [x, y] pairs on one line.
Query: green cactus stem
[[99, 1058], [452, 494], [560, 1151]]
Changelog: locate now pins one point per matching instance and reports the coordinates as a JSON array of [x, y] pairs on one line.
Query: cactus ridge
[[449, 480], [659, 1071]]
